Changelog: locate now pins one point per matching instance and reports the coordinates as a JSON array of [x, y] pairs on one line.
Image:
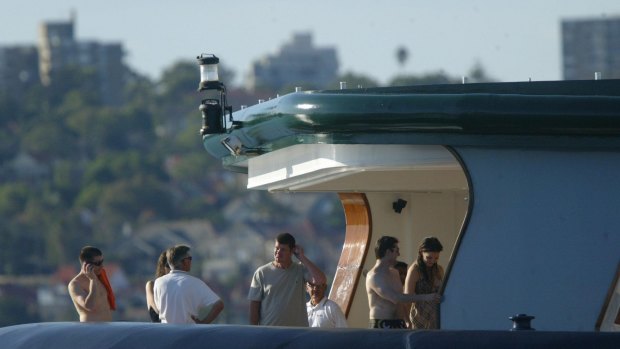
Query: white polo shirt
[[326, 314], [179, 295]]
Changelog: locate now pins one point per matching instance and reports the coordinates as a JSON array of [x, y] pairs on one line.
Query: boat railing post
[[521, 322]]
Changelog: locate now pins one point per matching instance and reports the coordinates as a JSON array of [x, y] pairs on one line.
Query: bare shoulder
[[76, 285], [75, 280], [413, 271], [381, 276], [371, 276]]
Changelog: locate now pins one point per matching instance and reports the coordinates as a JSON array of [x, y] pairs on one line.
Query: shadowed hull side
[[154, 336]]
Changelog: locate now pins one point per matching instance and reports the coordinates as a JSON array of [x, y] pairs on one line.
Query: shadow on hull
[[153, 336]]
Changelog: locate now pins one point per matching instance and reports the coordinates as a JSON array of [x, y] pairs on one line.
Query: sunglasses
[[98, 264]]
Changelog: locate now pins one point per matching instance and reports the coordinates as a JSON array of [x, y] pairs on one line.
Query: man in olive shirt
[[277, 296]]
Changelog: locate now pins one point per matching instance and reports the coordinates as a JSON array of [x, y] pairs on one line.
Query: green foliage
[[426, 79], [47, 139], [142, 198], [13, 199], [116, 166], [191, 167], [477, 73]]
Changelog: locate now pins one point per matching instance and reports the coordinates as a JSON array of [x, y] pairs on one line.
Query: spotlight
[[398, 205]]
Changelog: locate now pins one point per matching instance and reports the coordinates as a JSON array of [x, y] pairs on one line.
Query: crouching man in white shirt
[[323, 312]]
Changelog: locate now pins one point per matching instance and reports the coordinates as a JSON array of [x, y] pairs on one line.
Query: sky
[[512, 40]]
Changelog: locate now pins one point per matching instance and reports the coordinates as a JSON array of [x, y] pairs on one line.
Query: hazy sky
[[513, 40]]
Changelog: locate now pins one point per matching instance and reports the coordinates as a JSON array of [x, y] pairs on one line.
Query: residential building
[[298, 63], [591, 45], [18, 69], [58, 50]]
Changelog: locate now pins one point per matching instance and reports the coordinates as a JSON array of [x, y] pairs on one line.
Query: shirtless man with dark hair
[[90, 290], [387, 302]]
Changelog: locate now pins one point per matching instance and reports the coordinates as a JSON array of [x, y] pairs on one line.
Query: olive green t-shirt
[[282, 295]]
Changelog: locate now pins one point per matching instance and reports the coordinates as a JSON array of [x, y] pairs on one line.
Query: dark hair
[[286, 239], [383, 244], [176, 254], [162, 264], [89, 252], [401, 264], [429, 244]]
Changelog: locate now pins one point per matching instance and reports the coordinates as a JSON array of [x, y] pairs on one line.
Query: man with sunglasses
[[182, 298], [90, 290], [276, 293], [323, 312]]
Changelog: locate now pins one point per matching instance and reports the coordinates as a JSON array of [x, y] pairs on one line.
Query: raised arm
[[85, 298], [315, 273]]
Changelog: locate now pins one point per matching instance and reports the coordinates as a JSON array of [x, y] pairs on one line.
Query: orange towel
[[103, 277]]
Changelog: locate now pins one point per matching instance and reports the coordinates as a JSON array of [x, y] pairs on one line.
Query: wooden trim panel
[[354, 250]]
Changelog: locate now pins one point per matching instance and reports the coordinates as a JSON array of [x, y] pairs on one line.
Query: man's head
[[179, 258], [316, 291], [284, 248], [386, 244], [93, 256]]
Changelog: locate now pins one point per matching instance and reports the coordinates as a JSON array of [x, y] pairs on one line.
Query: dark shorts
[[382, 323]]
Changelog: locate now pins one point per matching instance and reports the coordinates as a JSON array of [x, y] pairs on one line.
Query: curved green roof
[[554, 113]]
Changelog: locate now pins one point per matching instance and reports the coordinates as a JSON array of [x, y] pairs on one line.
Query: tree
[[477, 73], [141, 198], [13, 199], [439, 77], [47, 140], [402, 55]]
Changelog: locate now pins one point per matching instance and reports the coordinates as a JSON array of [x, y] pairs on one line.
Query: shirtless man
[[90, 290], [388, 304]]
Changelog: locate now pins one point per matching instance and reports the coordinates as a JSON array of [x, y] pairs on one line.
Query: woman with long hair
[[423, 277], [161, 270]]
